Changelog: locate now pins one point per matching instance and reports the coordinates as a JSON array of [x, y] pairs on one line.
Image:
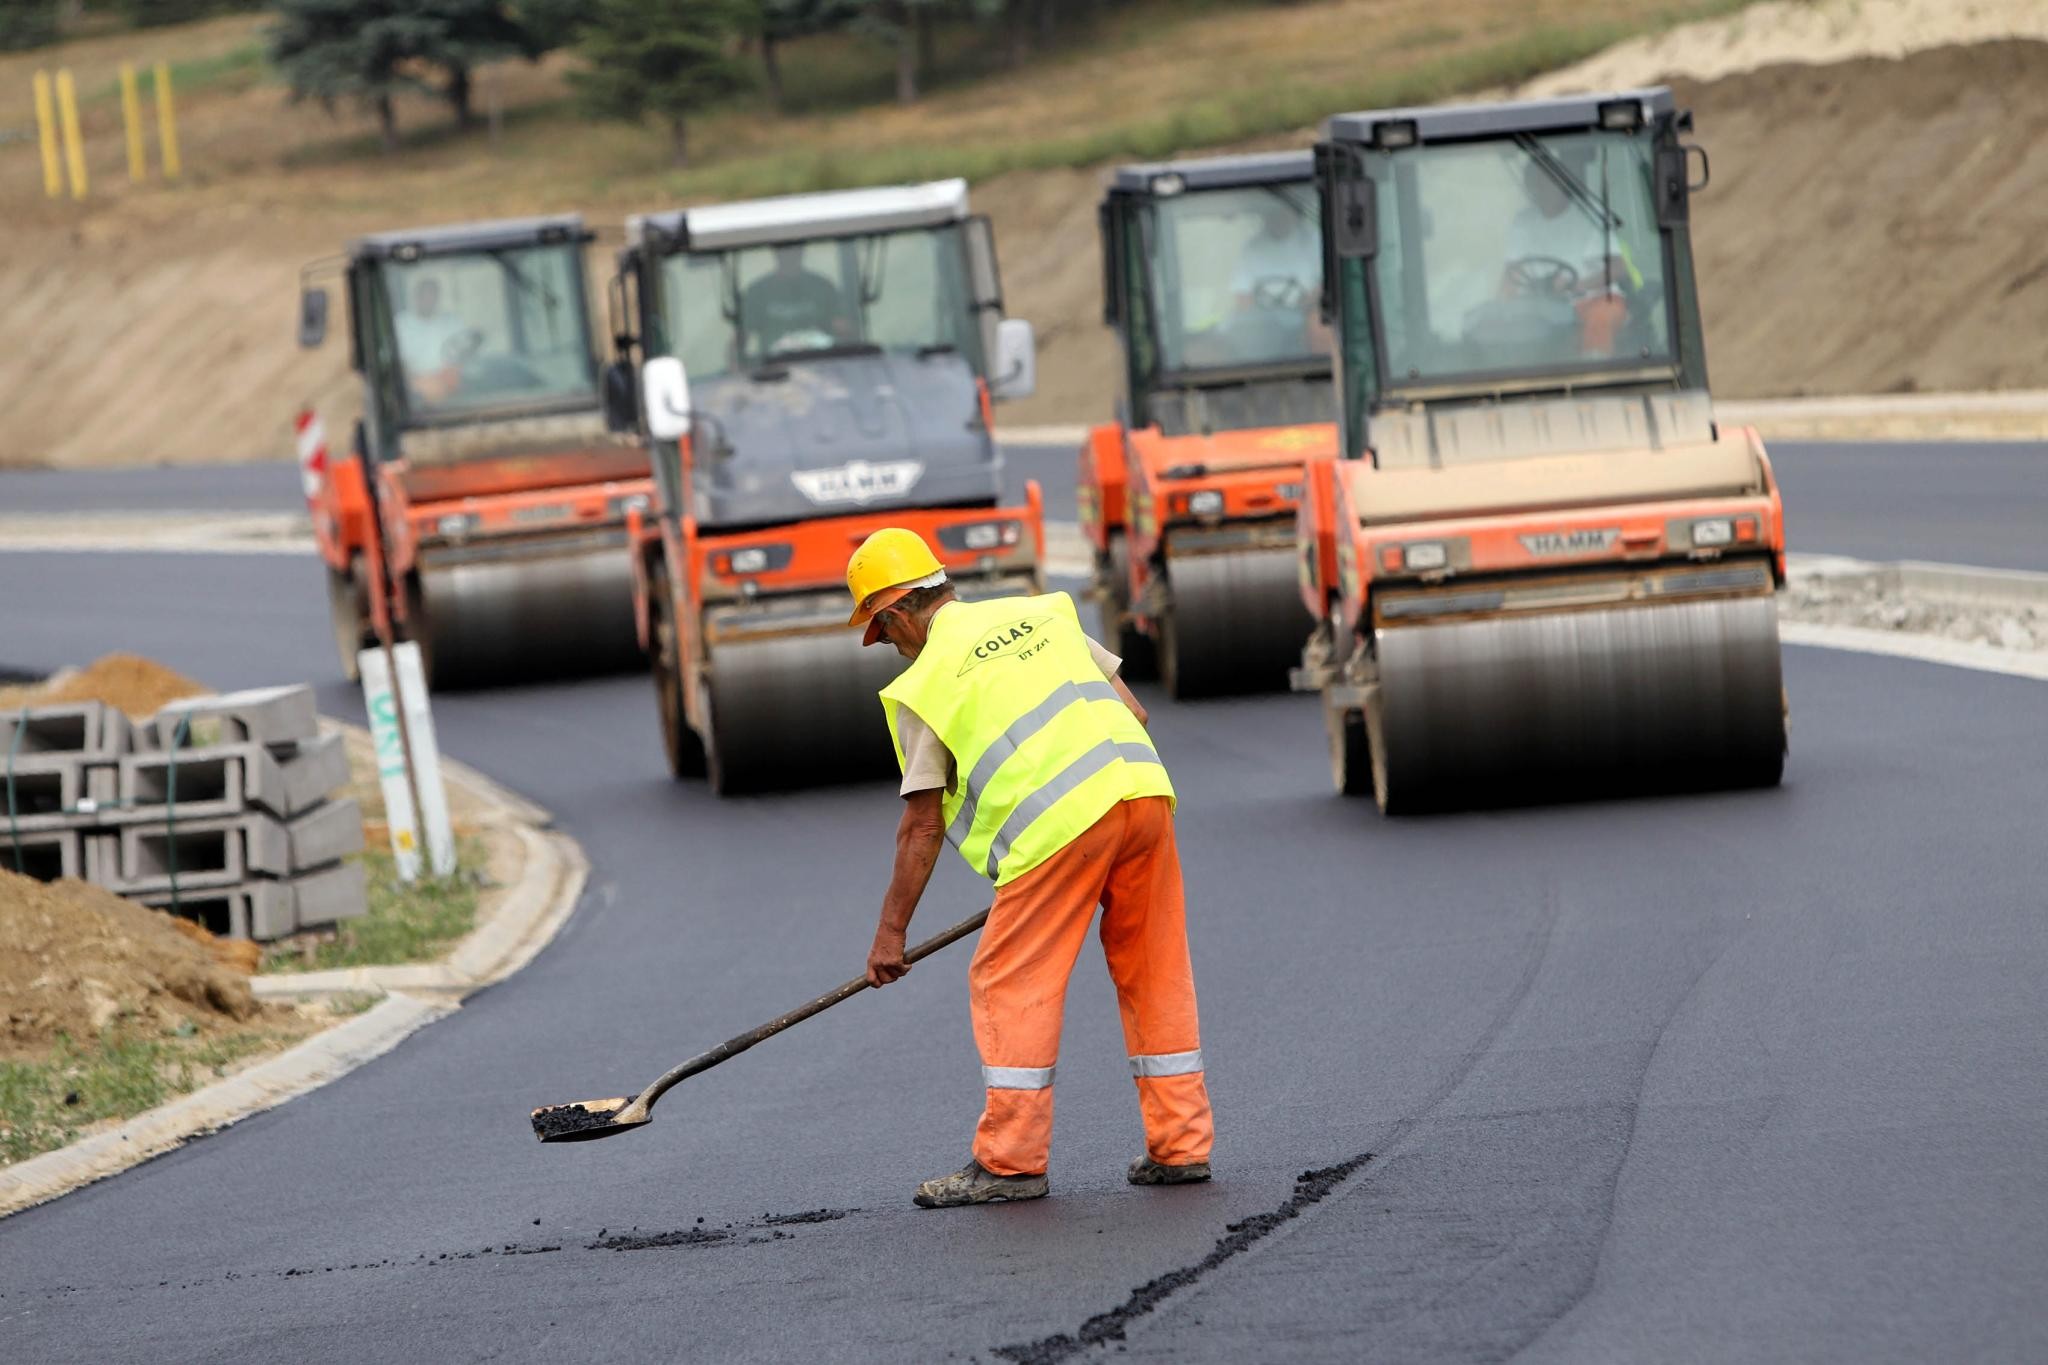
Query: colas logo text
[[1013, 640]]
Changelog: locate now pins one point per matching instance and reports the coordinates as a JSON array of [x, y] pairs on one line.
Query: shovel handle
[[733, 1047]]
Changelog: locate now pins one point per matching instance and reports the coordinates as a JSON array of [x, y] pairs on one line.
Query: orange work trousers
[[1125, 862]]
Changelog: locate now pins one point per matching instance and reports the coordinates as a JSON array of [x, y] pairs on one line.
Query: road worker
[[1021, 746]]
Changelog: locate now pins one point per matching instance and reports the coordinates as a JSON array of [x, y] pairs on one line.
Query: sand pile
[[79, 960], [128, 681]]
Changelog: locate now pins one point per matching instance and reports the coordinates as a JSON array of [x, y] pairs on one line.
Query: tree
[[782, 21], [27, 23], [370, 50], [905, 26], [664, 59]]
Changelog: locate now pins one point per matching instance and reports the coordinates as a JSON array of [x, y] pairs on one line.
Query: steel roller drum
[[1677, 696], [513, 619], [796, 710], [1236, 624]]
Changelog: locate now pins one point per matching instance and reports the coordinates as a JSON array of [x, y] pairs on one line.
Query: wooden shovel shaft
[[733, 1047]]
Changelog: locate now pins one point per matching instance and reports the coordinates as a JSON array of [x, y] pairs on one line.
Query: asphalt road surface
[[1739, 1076], [1964, 503]]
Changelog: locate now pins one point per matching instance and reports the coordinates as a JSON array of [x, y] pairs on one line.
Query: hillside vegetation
[[162, 313]]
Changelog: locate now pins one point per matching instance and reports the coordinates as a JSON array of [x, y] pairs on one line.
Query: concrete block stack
[[221, 808]]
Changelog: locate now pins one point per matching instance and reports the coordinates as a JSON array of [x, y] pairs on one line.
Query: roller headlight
[[1207, 503], [1425, 555], [981, 535], [456, 525], [752, 559], [1713, 531]]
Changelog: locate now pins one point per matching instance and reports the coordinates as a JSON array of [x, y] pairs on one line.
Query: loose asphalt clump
[[1310, 1188], [559, 1120], [814, 1216], [682, 1237]]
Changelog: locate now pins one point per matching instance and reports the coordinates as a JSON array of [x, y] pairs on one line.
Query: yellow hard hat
[[887, 565]]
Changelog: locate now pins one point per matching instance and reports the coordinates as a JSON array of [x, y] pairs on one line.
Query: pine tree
[[370, 50], [663, 59]]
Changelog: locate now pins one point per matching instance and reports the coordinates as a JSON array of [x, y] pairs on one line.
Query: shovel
[[585, 1120]]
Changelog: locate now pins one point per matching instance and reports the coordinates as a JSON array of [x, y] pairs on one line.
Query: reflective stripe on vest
[[1167, 1064], [1027, 725], [1017, 1077], [1043, 743]]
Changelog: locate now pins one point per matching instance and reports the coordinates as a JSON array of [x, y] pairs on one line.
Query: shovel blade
[[584, 1120]]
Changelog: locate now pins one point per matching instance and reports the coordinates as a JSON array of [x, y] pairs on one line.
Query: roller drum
[[1678, 696], [1235, 623], [797, 711], [515, 619]]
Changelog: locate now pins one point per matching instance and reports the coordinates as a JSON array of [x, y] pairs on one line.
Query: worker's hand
[[885, 959]]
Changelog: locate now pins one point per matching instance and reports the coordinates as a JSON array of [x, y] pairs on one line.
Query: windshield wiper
[[1574, 188], [930, 349]]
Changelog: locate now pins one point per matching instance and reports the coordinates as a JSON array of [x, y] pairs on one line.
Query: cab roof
[[801, 217], [1215, 172], [1459, 122], [459, 237]]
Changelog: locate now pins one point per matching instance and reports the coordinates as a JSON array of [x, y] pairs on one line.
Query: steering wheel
[[1279, 293], [460, 347], [1542, 275], [802, 339]]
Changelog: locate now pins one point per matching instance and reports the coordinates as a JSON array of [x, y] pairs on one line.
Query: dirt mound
[[129, 682], [1877, 226], [81, 960]]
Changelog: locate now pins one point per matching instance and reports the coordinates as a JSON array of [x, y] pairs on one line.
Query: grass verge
[[415, 923], [47, 1103], [1259, 110]]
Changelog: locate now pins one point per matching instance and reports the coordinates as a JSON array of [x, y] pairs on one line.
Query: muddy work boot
[[1146, 1171], [974, 1183]]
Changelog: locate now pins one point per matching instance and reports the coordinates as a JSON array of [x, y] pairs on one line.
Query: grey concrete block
[[263, 715], [55, 791], [89, 729], [315, 771], [260, 910], [207, 854], [44, 855], [331, 895], [326, 834]]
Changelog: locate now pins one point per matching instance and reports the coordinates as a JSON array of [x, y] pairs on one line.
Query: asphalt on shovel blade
[[582, 1121]]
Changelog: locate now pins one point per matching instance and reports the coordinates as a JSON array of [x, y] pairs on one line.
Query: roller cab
[[1212, 273], [481, 509], [1539, 566], [809, 370]]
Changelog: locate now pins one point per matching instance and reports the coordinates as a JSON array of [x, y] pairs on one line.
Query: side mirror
[[312, 317], [1016, 367], [665, 391], [621, 406]]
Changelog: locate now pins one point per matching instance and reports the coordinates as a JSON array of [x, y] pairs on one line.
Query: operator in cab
[[1279, 269], [1021, 747], [793, 304], [432, 343]]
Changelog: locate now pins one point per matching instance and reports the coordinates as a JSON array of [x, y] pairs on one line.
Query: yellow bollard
[[167, 121], [46, 129], [74, 145], [131, 119]]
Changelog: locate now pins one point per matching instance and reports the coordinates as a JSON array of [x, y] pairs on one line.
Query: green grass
[[236, 69], [414, 923], [1235, 116], [45, 1104]]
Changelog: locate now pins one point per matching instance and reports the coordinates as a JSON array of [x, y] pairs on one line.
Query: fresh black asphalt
[[1739, 1076]]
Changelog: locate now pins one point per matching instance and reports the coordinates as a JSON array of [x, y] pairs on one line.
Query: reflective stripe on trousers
[[1017, 1077], [1167, 1064], [1021, 729]]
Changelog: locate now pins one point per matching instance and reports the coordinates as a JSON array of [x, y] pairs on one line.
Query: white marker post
[[426, 759], [392, 774]]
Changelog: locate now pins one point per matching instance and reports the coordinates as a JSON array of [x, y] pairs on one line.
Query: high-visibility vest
[[1043, 745]]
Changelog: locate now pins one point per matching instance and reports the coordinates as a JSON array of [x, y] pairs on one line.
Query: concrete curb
[[1924, 648], [549, 887], [313, 1063]]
